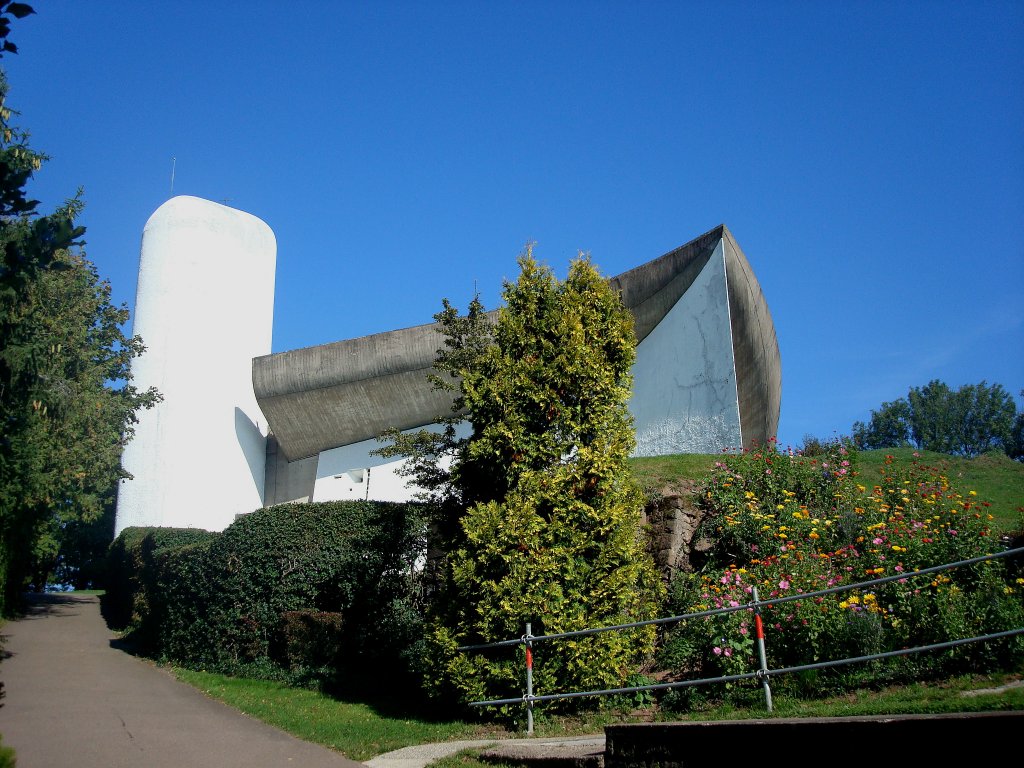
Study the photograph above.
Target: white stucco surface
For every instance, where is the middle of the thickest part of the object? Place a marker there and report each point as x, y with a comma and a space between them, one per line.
204, 309
684, 378
352, 472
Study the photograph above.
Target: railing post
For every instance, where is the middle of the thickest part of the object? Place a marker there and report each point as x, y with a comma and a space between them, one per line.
763, 670
528, 640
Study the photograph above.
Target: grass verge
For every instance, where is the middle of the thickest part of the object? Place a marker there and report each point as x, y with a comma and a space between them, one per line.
357, 730
361, 732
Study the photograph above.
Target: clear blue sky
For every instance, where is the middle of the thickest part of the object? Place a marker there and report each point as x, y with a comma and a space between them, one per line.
867, 156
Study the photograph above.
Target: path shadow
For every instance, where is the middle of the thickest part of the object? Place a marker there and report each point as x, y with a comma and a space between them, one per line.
38, 605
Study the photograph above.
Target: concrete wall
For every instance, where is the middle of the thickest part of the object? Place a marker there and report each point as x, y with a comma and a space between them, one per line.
936, 741
204, 309
684, 380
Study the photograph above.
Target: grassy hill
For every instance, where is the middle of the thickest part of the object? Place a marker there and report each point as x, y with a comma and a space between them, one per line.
996, 479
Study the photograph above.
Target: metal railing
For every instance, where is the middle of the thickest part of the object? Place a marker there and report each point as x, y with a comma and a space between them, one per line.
763, 672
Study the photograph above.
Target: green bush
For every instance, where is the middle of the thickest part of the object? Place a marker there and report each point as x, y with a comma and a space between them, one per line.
309, 639
132, 572
222, 601
788, 524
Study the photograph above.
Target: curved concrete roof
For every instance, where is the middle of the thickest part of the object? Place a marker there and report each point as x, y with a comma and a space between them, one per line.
322, 397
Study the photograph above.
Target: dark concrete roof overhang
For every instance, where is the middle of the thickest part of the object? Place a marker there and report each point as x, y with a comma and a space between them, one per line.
323, 397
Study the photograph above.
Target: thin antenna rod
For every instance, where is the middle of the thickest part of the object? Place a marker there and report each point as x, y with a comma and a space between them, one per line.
174, 161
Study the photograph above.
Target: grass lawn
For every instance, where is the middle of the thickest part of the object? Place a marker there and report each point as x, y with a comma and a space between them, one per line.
996, 478
361, 731
357, 730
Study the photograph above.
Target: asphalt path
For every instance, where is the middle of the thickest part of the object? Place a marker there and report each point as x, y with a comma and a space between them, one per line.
73, 699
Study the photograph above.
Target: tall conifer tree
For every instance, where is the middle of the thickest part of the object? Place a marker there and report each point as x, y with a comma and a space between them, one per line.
550, 527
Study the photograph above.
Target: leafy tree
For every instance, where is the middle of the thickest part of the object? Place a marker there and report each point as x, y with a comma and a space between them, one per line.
1015, 446
66, 400
931, 416
889, 427
436, 459
550, 528
982, 418
18, 11
967, 421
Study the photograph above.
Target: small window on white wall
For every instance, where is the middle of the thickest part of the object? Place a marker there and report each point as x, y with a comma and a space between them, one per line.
352, 475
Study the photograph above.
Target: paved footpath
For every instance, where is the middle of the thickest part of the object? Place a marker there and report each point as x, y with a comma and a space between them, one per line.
75, 701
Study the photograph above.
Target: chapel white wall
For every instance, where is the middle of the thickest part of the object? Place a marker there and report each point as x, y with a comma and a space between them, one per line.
204, 309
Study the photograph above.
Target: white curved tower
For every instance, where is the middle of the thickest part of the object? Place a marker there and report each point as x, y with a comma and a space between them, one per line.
204, 309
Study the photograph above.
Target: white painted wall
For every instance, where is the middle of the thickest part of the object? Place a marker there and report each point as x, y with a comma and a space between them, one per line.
351, 472
204, 309
684, 379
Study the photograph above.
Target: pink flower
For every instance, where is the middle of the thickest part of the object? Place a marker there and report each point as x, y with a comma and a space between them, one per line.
952, 532
877, 540
728, 652
717, 651
783, 584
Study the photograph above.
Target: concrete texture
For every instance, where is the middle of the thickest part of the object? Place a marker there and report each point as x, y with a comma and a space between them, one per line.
684, 378
936, 741
73, 700
583, 752
319, 398
576, 752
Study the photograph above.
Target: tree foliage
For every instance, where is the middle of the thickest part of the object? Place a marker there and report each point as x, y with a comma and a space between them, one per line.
966, 422
548, 523
16, 10
67, 404
1015, 447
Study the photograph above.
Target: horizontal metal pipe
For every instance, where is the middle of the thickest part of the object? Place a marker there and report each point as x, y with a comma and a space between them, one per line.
746, 606
751, 675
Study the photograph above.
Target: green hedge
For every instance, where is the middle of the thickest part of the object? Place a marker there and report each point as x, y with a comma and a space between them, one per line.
228, 601
132, 573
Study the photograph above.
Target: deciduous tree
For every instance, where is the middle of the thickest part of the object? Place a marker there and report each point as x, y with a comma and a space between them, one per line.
67, 404
967, 421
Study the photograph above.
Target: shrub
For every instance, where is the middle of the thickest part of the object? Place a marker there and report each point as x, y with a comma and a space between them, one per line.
132, 572
309, 639
217, 601
788, 524
547, 524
